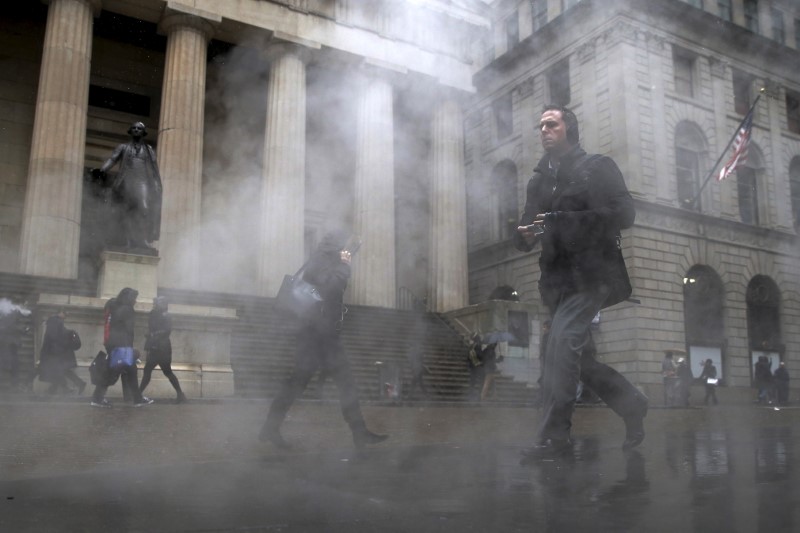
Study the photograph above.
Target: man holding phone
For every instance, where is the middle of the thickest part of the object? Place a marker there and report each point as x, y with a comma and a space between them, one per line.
576, 206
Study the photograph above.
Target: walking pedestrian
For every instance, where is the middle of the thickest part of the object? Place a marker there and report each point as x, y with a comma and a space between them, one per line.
576, 206
319, 345
670, 378
709, 378
475, 365
122, 356
685, 379
57, 356
159, 347
781, 379
416, 361
762, 375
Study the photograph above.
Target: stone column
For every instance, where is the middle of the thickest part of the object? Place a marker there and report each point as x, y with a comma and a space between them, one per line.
374, 279
180, 143
52, 215
448, 252
284, 171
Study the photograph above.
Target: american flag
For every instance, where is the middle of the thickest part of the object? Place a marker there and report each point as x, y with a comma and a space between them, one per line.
740, 145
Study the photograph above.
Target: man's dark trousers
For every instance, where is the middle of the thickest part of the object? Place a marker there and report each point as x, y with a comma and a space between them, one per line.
318, 349
568, 362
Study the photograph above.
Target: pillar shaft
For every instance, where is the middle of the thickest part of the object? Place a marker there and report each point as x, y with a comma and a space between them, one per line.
180, 147
284, 170
52, 216
448, 253
374, 279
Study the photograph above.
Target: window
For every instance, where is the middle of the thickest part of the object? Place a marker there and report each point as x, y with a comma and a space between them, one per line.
751, 15
724, 10
539, 10
794, 185
763, 314
778, 30
703, 297
503, 116
504, 181
558, 83
695, 3
797, 33
742, 90
684, 72
748, 196
512, 30
689, 151
793, 111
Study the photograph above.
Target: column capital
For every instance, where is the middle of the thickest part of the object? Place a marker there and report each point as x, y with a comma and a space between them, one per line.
182, 16
278, 48
95, 5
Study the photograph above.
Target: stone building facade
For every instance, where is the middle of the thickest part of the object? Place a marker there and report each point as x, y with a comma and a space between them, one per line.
661, 90
414, 123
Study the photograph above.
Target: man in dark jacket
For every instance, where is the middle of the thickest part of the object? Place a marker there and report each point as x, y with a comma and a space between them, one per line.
576, 206
319, 345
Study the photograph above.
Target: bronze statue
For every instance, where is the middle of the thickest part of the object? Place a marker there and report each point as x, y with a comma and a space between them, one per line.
136, 190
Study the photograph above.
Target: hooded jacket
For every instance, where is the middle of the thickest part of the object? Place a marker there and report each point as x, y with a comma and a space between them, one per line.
587, 204
122, 321
329, 275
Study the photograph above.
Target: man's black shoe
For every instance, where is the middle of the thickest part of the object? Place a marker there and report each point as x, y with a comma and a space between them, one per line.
548, 449
634, 432
363, 437
274, 436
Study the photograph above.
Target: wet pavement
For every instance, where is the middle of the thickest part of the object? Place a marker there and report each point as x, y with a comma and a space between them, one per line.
199, 467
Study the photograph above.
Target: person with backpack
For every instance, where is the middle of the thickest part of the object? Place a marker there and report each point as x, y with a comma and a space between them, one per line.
119, 346
576, 206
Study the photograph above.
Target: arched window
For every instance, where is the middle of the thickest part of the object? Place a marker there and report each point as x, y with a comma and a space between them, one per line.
794, 184
504, 181
763, 320
747, 178
690, 153
703, 298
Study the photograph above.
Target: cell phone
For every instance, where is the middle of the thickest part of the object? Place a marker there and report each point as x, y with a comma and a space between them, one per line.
537, 229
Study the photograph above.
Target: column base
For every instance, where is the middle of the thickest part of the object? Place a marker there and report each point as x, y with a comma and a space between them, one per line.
127, 269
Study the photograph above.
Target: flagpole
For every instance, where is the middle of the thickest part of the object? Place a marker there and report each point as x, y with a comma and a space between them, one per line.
725, 151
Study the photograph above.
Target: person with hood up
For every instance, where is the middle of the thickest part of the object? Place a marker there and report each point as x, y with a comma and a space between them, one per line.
576, 206
122, 356
159, 347
57, 359
319, 345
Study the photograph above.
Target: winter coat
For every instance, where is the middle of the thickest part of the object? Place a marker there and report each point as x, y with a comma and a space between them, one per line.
122, 321
58, 350
329, 275
158, 344
587, 204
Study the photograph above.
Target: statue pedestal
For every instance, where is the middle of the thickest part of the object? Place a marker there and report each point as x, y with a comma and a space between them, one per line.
120, 269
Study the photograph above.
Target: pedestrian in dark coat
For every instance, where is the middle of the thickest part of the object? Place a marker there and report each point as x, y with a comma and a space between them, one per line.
319, 345
57, 356
159, 347
490, 360
762, 375
475, 365
781, 379
122, 358
709, 373
576, 206
685, 379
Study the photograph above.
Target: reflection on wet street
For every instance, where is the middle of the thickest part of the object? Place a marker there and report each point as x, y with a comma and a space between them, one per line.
698, 471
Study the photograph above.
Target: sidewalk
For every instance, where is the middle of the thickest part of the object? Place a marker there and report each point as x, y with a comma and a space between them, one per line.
200, 467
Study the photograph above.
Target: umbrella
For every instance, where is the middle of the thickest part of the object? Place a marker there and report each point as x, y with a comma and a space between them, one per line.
498, 336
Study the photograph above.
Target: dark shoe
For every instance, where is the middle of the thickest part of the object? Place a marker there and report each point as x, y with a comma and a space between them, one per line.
363, 437
548, 449
181, 398
634, 432
145, 401
102, 403
274, 436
